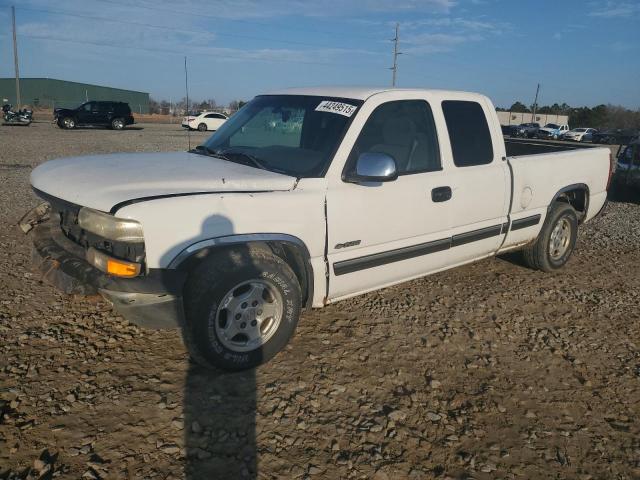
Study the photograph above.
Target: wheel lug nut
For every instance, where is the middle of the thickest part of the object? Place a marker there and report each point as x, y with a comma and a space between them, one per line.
255, 303
244, 305
259, 312
243, 325
238, 316
254, 323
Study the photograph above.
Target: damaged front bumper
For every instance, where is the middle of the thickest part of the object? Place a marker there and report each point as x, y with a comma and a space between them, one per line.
153, 300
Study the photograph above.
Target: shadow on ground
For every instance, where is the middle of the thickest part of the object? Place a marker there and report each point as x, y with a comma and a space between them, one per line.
219, 424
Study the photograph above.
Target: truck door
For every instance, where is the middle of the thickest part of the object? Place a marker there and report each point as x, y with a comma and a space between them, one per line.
479, 180
386, 232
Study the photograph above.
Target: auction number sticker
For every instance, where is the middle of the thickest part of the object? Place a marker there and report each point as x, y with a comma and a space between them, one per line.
336, 107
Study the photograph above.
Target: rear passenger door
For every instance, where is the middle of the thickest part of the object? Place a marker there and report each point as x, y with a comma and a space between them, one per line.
103, 113
479, 180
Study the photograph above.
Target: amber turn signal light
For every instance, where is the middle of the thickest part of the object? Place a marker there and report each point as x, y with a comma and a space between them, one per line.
112, 266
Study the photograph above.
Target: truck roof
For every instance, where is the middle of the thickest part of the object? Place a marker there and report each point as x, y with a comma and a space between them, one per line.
360, 93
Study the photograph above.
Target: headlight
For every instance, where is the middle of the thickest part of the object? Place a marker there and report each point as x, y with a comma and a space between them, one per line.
110, 227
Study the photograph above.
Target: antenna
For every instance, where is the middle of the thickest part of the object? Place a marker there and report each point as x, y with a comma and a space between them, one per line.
186, 88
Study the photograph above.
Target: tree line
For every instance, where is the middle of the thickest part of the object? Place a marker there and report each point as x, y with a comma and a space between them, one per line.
165, 107
600, 116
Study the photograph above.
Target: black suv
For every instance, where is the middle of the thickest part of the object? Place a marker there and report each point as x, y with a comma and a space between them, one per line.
116, 115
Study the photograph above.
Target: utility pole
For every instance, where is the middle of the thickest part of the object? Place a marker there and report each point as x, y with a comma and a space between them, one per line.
535, 104
15, 58
395, 41
186, 89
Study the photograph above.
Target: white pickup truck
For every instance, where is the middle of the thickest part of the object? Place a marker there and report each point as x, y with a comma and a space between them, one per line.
365, 189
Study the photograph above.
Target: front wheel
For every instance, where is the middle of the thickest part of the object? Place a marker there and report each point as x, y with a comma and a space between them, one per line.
241, 308
68, 122
556, 241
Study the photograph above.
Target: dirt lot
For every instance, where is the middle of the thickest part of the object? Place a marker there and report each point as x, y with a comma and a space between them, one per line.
488, 371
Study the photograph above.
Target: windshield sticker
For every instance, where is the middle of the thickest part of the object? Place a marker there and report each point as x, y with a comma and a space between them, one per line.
336, 107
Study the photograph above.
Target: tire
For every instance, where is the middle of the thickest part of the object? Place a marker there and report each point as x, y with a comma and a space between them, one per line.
68, 123
556, 241
246, 280
118, 123
202, 127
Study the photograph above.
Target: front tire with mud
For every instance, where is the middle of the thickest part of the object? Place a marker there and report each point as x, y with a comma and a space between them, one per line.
241, 308
556, 241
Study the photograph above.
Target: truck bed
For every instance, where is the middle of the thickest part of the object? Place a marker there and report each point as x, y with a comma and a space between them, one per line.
516, 147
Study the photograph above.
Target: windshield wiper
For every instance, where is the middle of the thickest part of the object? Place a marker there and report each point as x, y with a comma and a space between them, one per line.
204, 150
253, 160
249, 159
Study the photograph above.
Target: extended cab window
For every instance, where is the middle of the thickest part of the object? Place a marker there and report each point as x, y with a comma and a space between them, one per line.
404, 130
468, 133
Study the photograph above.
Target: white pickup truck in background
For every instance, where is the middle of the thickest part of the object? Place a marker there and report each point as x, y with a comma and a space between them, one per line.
354, 189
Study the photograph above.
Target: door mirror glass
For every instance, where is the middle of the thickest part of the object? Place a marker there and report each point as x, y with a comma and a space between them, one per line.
373, 167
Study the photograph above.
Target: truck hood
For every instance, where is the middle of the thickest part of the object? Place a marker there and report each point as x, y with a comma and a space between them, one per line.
103, 181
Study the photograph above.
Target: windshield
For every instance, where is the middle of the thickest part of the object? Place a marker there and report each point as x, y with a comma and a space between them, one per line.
579, 130
292, 134
552, 125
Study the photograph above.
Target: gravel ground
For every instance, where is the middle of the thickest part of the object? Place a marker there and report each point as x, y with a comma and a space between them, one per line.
487, 371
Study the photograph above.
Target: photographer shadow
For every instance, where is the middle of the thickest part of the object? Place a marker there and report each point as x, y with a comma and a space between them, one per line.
219, 408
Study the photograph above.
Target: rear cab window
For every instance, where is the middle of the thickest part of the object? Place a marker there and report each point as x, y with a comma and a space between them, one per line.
469, 133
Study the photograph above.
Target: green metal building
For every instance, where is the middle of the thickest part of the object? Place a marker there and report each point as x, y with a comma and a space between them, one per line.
52, 93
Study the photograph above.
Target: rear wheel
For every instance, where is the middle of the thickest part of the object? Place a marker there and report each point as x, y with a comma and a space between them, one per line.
202, 127
241, 308
117, 123
556, 241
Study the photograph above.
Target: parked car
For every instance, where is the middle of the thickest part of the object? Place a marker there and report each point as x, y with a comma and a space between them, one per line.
509, 130
615, 136
204, 121
579, 134
528, 130
233, 239
116, 115
552, 130
627, 174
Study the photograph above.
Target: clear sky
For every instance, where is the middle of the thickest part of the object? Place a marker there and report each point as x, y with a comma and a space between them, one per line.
582, 52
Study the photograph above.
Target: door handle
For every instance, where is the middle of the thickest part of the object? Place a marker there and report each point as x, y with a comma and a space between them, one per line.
441, 194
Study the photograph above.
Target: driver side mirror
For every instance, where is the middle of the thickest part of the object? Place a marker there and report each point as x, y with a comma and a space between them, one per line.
373, 167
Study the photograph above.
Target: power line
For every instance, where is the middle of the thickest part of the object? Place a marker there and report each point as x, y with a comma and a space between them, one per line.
175, 52
181, 30
238, 20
